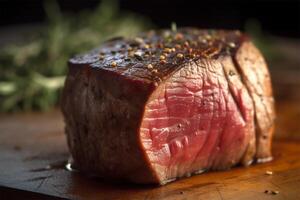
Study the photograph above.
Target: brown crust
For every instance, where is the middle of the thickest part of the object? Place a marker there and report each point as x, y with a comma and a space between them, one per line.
101, 124
164, 50
256, 77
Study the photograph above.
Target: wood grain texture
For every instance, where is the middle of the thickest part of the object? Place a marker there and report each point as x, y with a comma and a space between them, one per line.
33, 154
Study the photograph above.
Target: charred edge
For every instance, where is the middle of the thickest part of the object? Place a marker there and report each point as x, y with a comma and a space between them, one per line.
243, 80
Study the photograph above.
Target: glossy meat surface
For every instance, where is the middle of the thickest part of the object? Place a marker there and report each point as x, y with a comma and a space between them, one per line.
168, 104
165, 51
197, 121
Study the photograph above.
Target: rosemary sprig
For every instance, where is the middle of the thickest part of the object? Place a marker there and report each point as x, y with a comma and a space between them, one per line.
32, 74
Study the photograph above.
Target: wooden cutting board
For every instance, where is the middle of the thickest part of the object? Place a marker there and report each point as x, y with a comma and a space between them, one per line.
33, 154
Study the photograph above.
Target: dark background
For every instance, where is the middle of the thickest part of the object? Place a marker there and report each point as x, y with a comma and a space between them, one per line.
278, 17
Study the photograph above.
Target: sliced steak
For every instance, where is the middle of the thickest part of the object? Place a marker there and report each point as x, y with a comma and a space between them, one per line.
256, 76
168, 104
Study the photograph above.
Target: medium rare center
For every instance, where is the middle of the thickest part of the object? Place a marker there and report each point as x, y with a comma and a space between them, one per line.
194, 121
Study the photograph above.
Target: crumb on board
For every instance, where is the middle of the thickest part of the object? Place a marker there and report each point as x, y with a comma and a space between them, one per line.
269, 172
273, 192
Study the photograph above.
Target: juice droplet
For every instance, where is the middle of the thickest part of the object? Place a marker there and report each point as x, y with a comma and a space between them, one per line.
70, 166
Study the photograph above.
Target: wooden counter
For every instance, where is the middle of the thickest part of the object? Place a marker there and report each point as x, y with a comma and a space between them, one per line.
33, 154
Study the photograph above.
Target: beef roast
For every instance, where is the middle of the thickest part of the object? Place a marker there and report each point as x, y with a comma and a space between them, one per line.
168, 104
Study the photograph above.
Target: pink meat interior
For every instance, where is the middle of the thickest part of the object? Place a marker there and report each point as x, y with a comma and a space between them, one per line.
195, 121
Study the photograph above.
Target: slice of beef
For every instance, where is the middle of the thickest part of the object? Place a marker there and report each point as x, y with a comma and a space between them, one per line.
168, 104
256, 76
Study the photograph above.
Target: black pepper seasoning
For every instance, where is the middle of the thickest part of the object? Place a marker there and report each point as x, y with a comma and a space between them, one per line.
231, 73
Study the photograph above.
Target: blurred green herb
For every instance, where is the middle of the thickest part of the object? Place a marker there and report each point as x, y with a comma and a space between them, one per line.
32, 74
174, 26
261, 39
